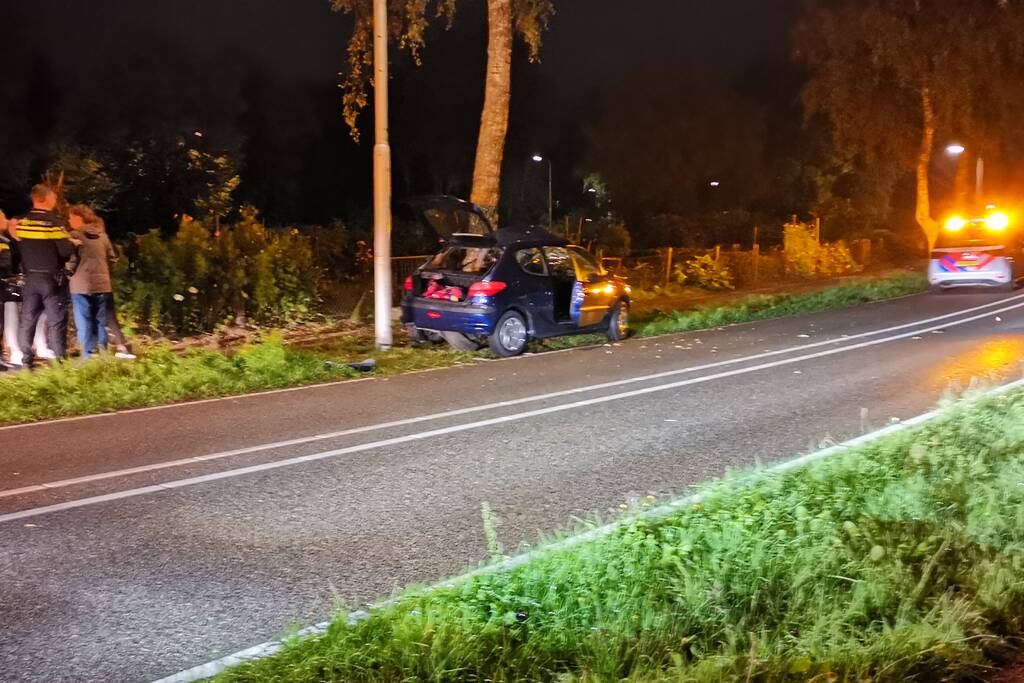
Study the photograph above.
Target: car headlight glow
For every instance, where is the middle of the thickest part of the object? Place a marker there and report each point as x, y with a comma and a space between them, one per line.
997, 221
955, 223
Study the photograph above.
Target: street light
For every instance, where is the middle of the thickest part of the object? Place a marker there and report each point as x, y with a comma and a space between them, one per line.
537, 158
714, 183
955, 150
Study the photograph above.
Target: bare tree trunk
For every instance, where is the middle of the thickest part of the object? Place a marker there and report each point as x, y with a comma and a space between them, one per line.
490, 147
923, 212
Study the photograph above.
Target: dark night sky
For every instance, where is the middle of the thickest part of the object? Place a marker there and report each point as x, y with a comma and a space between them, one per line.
589, 42
120, 61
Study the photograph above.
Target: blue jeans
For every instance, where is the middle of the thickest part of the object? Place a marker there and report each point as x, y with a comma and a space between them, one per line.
90, 321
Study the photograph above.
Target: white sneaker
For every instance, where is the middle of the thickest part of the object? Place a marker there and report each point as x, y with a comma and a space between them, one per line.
48, 354
124, 355
16, 358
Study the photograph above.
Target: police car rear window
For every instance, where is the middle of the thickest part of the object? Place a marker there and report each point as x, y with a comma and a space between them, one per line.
969, 236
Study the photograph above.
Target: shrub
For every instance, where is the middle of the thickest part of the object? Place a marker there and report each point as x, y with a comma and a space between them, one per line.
806, 257
835, 259
614, 240
704, 272
202, 278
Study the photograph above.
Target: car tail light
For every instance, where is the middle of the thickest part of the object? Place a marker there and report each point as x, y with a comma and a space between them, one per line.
486, 288
408, 284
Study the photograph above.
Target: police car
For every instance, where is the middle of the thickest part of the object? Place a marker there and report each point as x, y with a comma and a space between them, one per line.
984, 251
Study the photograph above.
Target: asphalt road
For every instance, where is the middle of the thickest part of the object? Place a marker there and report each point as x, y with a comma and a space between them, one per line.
139, 544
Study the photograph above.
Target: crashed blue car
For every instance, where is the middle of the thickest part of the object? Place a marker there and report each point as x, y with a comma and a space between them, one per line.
504, 288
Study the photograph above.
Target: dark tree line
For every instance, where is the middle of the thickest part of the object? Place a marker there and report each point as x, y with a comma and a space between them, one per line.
843, 130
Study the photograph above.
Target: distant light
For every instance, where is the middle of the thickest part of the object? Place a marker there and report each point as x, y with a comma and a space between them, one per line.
955, 150
588, 220
592, 190
714, 183
198, 133
989, 207
538, 158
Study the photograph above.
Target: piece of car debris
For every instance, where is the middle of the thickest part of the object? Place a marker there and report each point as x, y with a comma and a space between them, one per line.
367, 365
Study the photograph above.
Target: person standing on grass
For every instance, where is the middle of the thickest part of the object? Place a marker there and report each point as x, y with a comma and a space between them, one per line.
47, 258
91, 288
8, 268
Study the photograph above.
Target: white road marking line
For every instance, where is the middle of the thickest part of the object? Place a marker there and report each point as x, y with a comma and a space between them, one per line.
308, 387
153, 467
454, 429
268, 649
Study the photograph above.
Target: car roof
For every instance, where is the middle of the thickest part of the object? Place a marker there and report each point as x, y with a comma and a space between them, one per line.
512, 237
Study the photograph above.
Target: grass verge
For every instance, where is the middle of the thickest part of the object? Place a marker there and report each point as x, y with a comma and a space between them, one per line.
761, 307
161, 377
899, 561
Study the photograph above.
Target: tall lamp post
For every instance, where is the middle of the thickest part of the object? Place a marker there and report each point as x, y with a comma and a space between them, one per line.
381, 181
551, 212
957, 150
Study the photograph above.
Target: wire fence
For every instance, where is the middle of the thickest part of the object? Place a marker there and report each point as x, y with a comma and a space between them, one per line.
644, 268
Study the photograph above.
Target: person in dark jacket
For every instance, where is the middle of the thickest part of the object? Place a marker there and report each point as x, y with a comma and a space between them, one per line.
46, 250
90, 285
9, 293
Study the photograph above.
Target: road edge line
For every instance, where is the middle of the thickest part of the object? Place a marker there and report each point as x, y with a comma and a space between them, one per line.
267, 649
257, 394
269, 446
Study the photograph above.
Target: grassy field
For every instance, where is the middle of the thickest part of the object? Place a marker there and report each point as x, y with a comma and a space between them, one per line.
161, 376
902, 560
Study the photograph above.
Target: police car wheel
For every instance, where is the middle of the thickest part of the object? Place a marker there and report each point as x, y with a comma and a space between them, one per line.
510, 335
936, 289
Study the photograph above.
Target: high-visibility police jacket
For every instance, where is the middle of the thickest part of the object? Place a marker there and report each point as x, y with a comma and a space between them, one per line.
8, 258
43, 242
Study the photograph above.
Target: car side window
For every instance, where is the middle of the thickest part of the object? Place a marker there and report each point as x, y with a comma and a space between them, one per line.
586, 265
560, 263
532, 261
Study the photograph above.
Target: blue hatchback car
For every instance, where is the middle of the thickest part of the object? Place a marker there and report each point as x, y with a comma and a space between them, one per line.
503, 288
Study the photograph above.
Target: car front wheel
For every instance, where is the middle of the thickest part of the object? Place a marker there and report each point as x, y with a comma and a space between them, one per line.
510, 335
618, 325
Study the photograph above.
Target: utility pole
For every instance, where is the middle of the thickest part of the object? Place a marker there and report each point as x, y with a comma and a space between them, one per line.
979, 180
538, 158
551, 203
381, 181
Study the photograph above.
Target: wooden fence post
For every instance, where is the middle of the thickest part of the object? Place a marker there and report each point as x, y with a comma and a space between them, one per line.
718, 252
668, 265
755, 258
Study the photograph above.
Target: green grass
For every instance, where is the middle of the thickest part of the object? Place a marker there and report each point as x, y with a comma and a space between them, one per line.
161, 377
899, 561
761, 307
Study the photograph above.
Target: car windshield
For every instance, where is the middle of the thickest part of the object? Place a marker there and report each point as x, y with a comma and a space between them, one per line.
971, 235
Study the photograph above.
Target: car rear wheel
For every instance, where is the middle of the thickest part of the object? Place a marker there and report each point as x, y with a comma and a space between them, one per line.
936, 289
460, 342
420, 337
618, 324
510, 335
